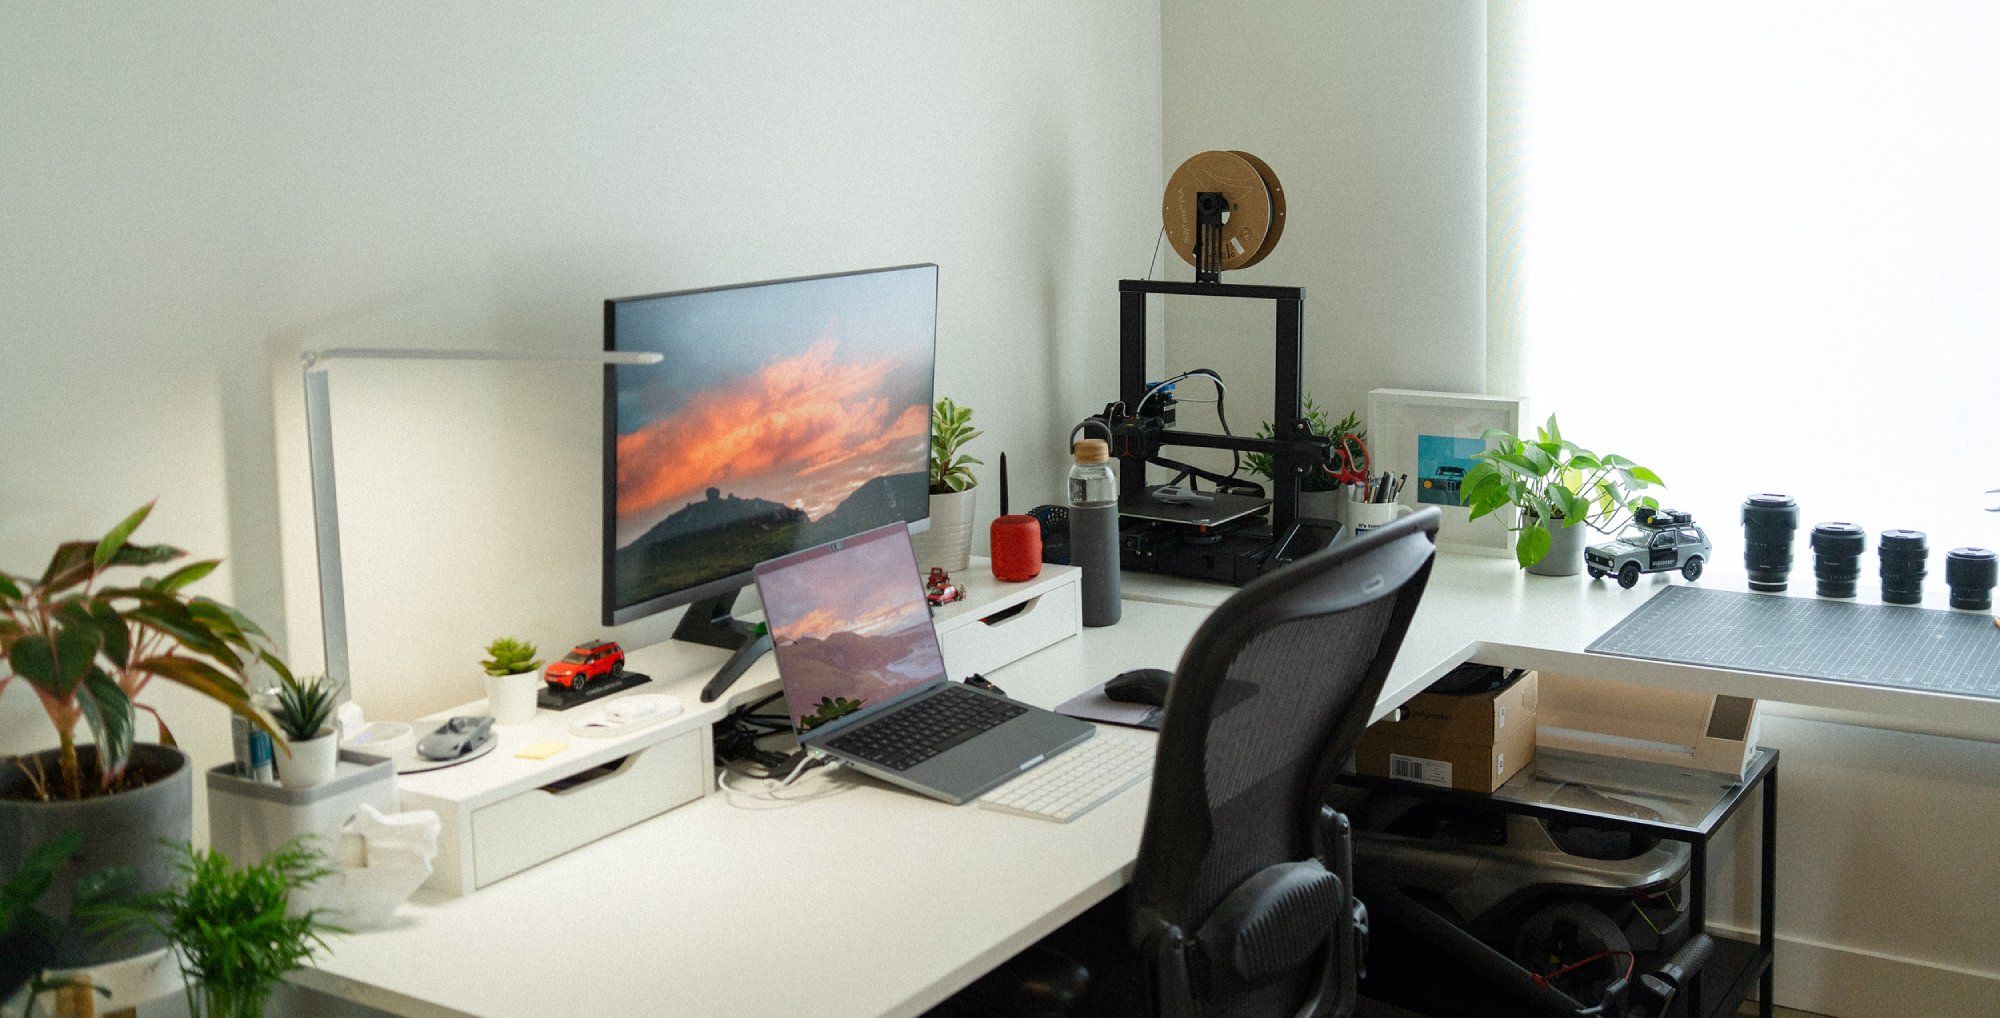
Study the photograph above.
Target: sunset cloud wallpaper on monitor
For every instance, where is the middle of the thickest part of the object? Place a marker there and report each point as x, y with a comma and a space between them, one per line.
851, 627
783, 415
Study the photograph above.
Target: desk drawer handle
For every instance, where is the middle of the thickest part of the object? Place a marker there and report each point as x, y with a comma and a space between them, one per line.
1011, 612
589, 778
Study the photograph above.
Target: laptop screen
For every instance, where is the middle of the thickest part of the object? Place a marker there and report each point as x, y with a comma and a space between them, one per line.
850, 625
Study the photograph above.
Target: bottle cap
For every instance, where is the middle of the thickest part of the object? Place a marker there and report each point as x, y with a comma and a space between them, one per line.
1093, 450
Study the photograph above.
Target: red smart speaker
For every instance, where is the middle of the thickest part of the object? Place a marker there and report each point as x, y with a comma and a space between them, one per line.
1016, 540
1017, 548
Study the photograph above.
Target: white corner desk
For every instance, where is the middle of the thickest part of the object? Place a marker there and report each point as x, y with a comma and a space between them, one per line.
873, 901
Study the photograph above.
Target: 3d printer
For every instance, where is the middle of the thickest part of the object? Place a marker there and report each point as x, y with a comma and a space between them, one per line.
1222, 210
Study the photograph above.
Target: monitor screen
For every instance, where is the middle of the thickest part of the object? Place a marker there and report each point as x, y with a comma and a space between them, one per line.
783, 415
850, 626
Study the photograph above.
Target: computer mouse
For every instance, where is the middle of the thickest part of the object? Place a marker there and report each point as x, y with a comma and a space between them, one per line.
456, 738
1140, 685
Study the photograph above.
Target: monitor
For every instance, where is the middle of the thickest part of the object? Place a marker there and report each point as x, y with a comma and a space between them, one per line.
783, 415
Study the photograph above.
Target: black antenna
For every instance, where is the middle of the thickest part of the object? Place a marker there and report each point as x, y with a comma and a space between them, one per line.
1003, 484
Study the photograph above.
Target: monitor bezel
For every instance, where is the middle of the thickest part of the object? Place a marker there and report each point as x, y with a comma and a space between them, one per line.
617, 616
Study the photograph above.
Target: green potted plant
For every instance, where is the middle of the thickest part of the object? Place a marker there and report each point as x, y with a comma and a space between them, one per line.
1319, 493
233, 929
1563, 491
305, 713
513, 677
954, 490
88, 639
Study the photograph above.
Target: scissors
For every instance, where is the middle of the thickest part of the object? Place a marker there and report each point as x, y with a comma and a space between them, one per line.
1346, 470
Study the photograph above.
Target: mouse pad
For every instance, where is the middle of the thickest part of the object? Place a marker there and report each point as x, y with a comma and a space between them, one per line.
1093, 705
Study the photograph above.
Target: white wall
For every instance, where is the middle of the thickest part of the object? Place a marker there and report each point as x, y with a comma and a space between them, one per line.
1372, 115
196, 193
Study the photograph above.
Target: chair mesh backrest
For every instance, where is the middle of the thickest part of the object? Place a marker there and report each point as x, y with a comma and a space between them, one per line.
1265, 706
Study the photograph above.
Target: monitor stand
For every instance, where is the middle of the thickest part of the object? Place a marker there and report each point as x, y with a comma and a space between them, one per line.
709, 623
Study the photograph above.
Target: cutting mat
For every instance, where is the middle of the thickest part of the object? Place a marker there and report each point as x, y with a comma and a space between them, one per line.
1870, 644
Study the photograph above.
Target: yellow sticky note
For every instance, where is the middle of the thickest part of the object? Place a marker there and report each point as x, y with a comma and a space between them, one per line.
542, 750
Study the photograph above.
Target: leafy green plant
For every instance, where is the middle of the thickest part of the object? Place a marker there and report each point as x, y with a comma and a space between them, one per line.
1552, 478
88, 648
232, 929
305, 706
951, 429
829, 708
508, 656
27, 935
1346, 432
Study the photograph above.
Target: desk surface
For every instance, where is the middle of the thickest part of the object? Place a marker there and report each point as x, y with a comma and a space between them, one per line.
875, 901
1487, 609
868, 901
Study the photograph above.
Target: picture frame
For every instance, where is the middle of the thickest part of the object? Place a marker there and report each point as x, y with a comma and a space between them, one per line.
1431, 437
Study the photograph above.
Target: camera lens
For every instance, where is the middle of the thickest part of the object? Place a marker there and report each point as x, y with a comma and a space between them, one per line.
1837, 551
1969, 572
1769, 522
1903, 556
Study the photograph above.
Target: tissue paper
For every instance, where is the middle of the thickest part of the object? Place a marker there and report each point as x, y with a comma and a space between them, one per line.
385, 857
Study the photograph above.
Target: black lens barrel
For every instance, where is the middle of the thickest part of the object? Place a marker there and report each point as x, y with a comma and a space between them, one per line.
1970, 573
1769, 522
1837, 549
1904, 555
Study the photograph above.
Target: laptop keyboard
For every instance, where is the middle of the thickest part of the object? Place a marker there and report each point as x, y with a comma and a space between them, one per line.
914, 733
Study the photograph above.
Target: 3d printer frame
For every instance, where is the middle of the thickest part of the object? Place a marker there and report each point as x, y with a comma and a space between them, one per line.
1139, 433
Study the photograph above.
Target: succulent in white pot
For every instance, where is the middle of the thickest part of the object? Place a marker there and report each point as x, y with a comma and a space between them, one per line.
513, 677
305, 713
954, 491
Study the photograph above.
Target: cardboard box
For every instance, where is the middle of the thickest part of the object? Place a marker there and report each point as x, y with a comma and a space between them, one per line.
1473, 742
1480, 719
1387, 753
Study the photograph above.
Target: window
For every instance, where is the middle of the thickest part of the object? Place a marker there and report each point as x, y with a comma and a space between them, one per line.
1801, 201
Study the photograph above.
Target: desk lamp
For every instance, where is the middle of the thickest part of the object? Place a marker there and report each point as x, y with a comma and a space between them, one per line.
319, 453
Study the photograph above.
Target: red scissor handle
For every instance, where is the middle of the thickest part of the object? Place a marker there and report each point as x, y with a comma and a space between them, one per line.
1344, 468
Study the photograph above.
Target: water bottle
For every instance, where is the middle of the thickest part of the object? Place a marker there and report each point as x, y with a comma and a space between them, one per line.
1093, 530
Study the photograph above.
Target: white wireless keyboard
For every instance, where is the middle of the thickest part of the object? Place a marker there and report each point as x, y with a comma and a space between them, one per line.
1075, 781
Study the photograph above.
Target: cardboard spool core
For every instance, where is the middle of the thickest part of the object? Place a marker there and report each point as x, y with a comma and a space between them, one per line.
1256, 206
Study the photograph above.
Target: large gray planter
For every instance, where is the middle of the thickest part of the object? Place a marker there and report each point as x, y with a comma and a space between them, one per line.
1565, 557
125, 829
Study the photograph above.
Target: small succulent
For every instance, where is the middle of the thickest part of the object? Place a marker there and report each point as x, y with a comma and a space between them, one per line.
305, 706
508, 656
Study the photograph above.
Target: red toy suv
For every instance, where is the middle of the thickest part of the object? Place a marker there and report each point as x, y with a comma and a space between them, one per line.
594, 660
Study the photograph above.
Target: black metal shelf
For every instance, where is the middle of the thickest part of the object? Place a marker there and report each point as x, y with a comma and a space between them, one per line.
1736, 965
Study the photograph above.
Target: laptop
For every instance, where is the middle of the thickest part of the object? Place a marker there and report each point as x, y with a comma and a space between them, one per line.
865, 681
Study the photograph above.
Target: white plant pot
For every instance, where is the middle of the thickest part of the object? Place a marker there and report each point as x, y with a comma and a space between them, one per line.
511, 698
312, 761
948, 543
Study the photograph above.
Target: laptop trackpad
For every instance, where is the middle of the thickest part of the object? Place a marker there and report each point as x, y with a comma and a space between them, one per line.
982, 763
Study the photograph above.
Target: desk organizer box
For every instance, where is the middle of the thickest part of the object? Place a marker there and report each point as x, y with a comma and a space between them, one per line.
502, 814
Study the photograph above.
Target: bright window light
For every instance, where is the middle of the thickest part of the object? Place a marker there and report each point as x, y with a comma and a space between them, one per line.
1759, 250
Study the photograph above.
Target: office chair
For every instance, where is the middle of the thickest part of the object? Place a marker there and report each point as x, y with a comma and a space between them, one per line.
1242, 902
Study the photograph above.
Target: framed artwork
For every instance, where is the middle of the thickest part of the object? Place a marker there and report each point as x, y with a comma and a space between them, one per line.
1431, 437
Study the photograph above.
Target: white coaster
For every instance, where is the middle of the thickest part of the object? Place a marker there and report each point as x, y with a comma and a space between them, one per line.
625, 714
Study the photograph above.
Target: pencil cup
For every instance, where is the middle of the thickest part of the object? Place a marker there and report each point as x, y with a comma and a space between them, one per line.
1362, 517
